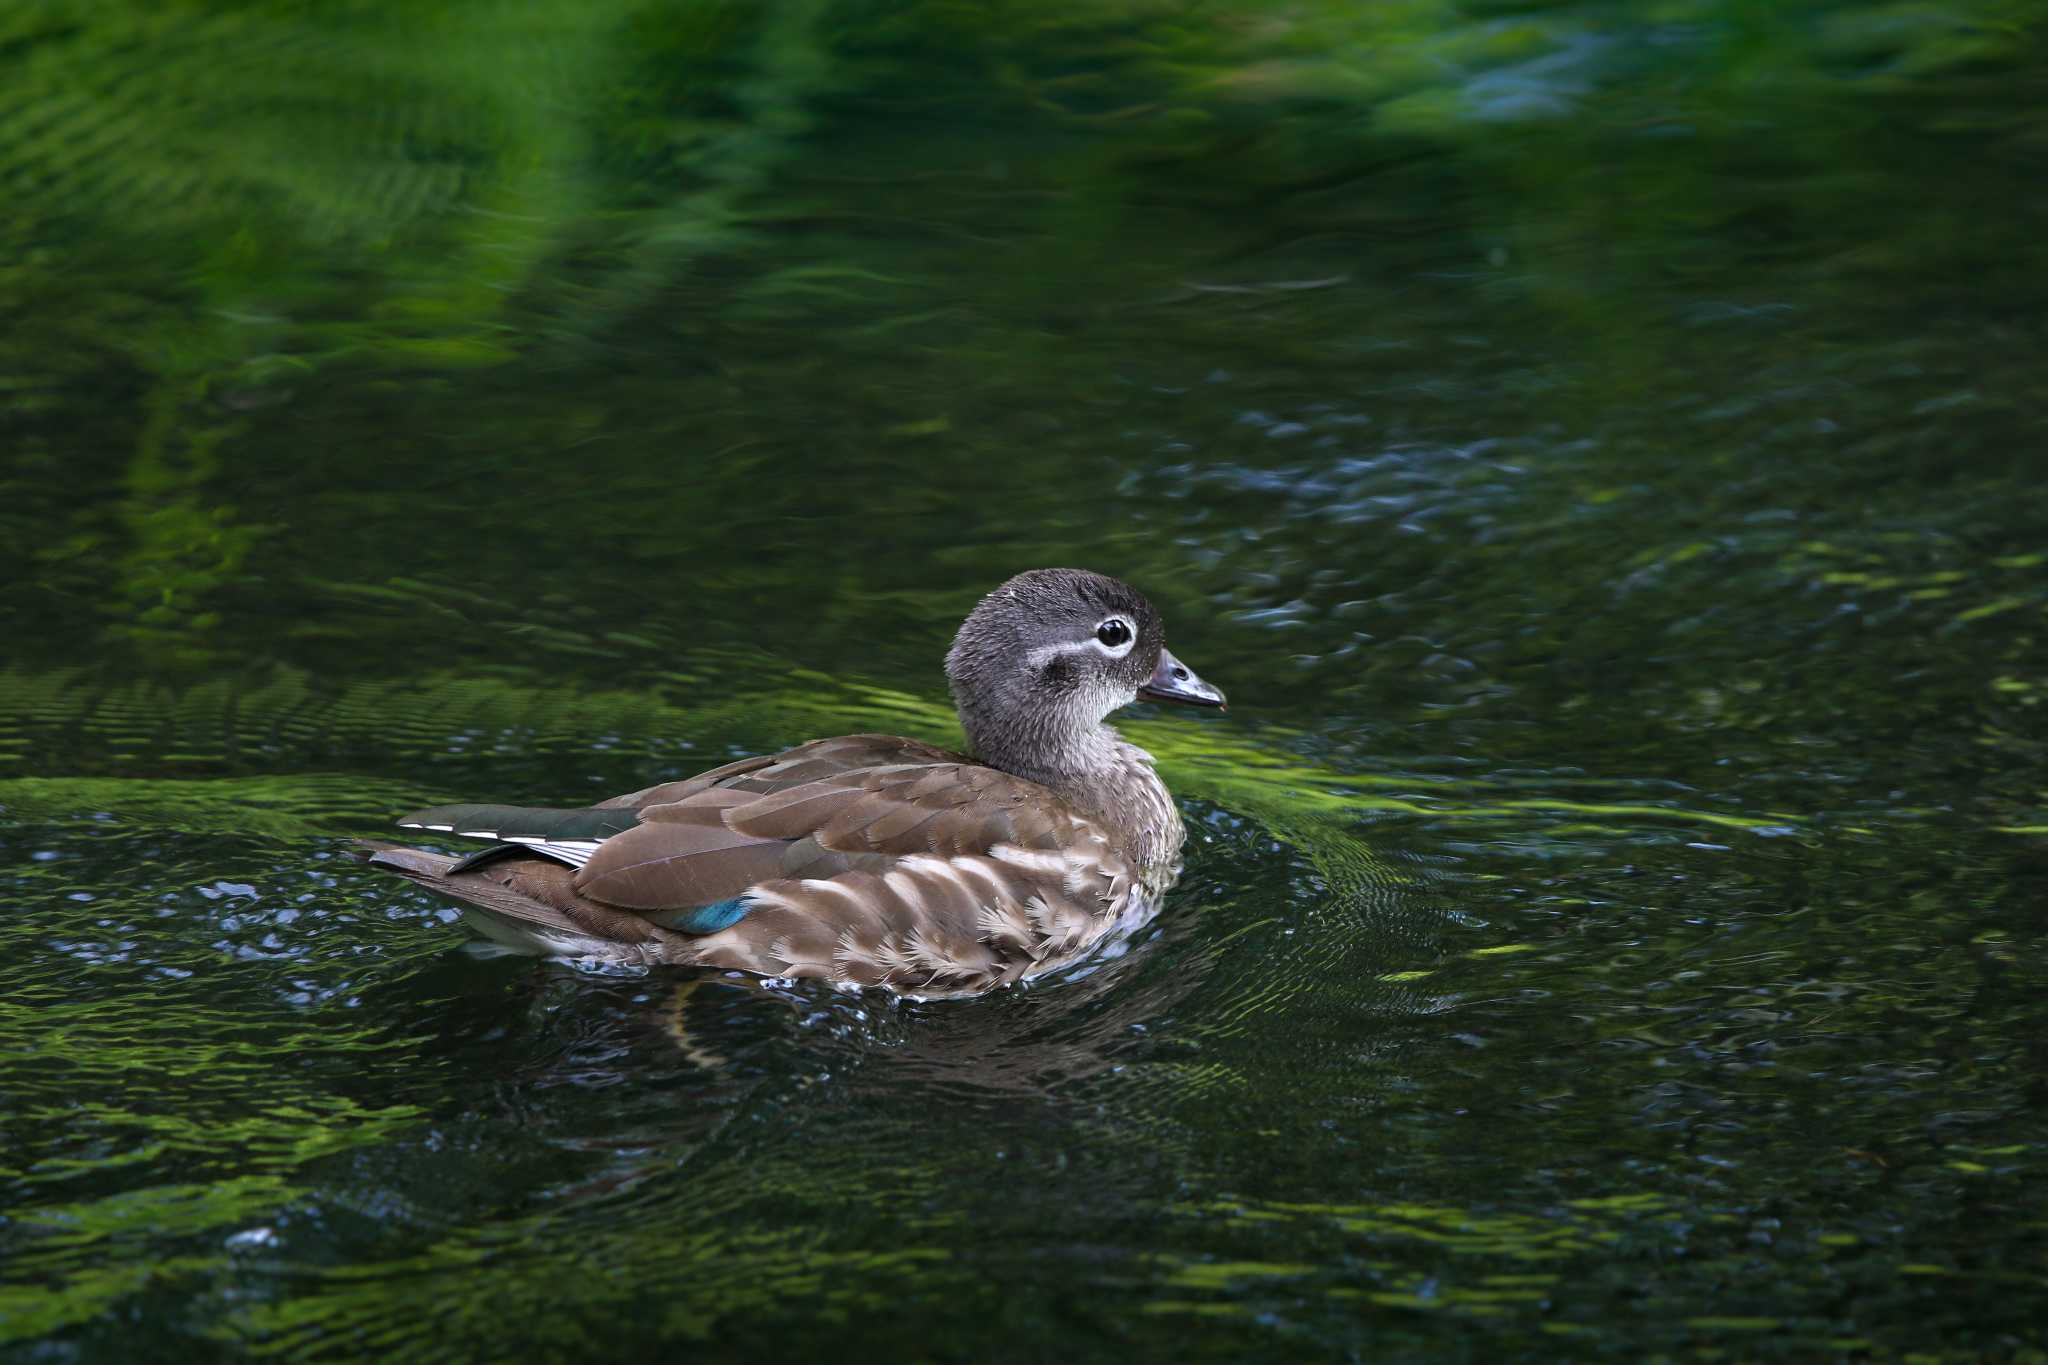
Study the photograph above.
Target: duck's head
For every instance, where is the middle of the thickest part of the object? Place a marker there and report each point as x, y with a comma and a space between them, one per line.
1044, 658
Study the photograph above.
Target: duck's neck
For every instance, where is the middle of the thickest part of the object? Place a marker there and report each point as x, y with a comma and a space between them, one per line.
1093, 769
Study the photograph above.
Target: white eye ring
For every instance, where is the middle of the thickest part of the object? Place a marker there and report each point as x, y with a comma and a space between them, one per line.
1115, 636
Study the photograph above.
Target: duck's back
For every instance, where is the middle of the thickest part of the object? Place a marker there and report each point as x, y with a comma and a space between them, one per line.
864, 860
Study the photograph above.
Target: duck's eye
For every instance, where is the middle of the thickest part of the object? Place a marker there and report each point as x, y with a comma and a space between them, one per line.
1113, 632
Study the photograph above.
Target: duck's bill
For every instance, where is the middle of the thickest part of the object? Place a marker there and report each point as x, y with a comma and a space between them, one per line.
1174, 681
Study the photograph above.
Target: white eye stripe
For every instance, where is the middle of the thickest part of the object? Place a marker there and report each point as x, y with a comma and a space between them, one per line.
1045, 654
1038, 658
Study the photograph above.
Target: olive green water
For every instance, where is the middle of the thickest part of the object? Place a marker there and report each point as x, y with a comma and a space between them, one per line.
1598, 447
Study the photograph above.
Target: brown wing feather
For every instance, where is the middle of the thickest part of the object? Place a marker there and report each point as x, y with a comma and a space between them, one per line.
794, 813
903, 809
804, 858
771, 772
664, 792
898, 826
670, 866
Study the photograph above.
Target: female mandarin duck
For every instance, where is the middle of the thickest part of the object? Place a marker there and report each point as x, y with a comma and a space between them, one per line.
871, 860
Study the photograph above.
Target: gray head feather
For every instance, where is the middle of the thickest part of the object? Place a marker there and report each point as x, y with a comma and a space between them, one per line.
1033, 679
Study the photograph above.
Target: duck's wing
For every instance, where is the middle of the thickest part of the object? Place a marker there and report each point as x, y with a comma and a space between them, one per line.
572, 834
912, 868
867, 860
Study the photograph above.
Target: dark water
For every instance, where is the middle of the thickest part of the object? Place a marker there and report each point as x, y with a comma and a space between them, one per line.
1599, 448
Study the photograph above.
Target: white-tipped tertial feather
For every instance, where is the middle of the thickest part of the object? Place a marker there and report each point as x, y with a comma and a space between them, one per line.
574, 852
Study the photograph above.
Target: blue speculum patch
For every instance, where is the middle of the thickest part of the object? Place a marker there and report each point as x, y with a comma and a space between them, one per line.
709, 919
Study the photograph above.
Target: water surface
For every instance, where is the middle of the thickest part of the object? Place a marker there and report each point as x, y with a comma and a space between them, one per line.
1598, 450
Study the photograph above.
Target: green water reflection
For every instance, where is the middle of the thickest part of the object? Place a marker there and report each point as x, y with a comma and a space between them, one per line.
1598, 447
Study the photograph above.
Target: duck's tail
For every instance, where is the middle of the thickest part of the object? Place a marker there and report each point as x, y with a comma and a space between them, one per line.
526, 904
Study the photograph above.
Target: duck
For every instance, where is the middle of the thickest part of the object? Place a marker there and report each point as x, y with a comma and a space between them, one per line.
870, 860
